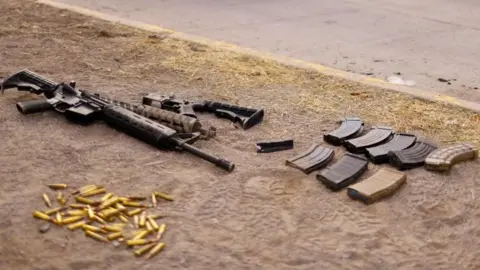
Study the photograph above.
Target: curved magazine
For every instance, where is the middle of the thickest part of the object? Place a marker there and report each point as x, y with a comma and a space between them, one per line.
376, 136
350, 128
343, 173
315, 158
378, 154
444, 158
411, 157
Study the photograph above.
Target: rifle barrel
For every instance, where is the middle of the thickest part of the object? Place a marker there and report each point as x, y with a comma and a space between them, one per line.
222, 163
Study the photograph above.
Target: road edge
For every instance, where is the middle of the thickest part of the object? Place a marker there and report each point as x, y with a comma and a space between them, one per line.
292, 62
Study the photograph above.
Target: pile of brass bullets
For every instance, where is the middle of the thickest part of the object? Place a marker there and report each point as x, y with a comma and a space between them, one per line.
107, 217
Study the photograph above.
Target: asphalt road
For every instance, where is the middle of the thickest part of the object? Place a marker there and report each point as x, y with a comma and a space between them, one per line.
423, 40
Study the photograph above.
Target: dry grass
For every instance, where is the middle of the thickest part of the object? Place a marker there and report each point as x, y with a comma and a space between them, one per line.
134, 54
223, 72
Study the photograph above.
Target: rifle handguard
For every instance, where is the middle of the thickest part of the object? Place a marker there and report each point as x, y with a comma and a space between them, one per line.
181, 123
137, 126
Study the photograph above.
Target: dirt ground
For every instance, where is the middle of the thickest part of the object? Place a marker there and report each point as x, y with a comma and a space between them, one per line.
264, 215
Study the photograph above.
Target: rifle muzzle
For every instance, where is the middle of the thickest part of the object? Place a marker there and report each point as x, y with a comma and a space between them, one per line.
33, 106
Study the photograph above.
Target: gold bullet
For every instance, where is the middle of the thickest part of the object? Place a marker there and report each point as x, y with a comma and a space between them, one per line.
54, 210
99, 219
133, 204
41, 215
83, 189
61, 200
153, 223
135, 220
121, 225
90, 212
155, 250
57, 186
77, 213
111, 228
123, 218
72, 219
134, 212
161, 231
157, 216
108, 203
120, 207
142, 250
88, 189
47, 200
149, 226
123, 199
114, 235
111, 212
163, 196
93, 192
141, 235
101, 214
134, 233
96, 236
107, 214
76, 225
77, 206
143, 219
84, 200
138, 242
154, 200
106, 197
87, 227
58, 217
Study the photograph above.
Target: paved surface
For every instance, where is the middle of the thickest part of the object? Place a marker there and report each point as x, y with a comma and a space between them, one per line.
423, 40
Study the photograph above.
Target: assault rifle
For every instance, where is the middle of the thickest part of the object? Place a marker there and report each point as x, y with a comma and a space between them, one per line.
83, 107
240, 116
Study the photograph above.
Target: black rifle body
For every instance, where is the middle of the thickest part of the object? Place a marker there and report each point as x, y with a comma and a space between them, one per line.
82, 107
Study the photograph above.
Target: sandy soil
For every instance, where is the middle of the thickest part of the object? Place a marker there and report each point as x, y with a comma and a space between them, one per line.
264, 215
